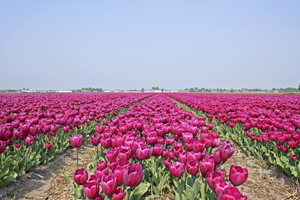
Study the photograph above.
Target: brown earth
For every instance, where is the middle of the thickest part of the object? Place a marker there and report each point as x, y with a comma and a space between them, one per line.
48, 181
266, 184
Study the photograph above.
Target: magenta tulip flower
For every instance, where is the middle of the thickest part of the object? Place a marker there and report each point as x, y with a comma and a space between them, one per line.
237, 175
118, 173
167, 163
101, 172
170, 141
231, 193
91, 189
143, 152
217, 157
108, 185
94, 178
206, 166
192, 167
2, 147
95, 139
177, 169
105, 142
76, 140
152, 139
198, 146
119, 194
102, 164
293, 157
193, 156
157, 149
133, 175
29, 140
124, 154
99, 197
48, 145
100, 128
80, 176
226, 152
213, 178
220, 187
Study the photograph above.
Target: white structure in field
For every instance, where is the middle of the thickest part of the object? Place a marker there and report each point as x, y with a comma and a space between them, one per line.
64, 91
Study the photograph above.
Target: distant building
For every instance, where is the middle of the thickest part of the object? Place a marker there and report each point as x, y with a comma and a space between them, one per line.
64, 91
150, 90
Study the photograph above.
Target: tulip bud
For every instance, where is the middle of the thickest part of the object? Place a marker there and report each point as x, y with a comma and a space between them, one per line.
91, 189
76, 140
109, 185
237, 175
80, 176
177, 169
133, 175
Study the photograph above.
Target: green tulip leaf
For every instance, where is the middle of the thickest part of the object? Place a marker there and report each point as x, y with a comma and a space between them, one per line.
139, 191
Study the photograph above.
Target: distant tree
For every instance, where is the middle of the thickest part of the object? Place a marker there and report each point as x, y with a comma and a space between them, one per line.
299, 88
231, 90
142, 90
162, 89
191, 90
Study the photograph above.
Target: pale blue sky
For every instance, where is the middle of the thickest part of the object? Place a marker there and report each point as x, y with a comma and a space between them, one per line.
140, 44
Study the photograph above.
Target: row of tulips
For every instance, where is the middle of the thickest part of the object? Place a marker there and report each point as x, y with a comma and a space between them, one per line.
35, 127
275, 117
157, 147
279, 151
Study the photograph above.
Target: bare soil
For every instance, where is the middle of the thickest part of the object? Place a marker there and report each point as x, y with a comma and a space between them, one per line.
262, 183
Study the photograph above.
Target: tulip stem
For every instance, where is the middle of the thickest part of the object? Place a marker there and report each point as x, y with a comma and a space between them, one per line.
214, 195
77, 157
179, 187
25, 157
192, 180
297, 177
97, 151
205, 185
129, 193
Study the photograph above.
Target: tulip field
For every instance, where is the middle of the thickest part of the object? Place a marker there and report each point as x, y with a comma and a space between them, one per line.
148, 145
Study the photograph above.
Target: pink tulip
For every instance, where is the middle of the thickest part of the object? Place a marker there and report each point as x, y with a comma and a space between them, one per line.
91, 189
133, 175
80, 176
119, 194
76, 140
237, 175
143, 152
231, 193
177, 169
213, 178
108, 185
192, 167
220, 186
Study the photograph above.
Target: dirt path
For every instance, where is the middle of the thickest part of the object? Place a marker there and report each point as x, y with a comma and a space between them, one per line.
48, 180
263, 184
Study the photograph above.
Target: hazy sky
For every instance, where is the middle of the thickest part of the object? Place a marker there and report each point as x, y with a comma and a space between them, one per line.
139, 44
